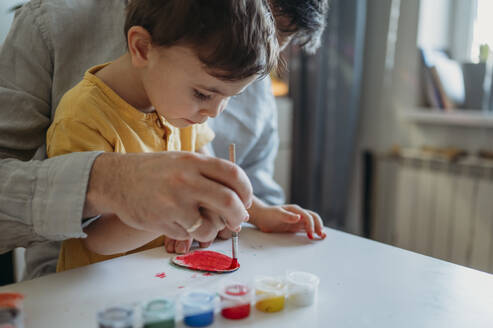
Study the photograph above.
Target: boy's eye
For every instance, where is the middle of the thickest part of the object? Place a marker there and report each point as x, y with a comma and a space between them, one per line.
200, 96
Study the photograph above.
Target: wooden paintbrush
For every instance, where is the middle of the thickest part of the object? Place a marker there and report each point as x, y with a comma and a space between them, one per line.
234, 240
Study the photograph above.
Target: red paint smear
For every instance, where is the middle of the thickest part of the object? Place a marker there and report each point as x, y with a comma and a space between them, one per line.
207, 274
208, 261
181, 286
234, 264
160, 275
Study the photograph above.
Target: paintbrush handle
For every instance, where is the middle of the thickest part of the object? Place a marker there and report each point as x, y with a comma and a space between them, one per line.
234, 241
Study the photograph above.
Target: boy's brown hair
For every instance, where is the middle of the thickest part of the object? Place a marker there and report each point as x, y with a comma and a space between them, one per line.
234, 39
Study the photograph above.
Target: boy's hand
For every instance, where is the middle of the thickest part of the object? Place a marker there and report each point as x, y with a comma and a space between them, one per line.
183, 246
286, 218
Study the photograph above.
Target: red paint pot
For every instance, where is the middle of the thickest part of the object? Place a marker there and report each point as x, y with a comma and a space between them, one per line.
236, 301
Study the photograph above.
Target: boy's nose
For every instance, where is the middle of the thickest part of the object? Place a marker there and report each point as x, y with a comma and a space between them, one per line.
214, 110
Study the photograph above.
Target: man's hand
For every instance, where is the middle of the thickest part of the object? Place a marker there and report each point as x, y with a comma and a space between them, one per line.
167, 192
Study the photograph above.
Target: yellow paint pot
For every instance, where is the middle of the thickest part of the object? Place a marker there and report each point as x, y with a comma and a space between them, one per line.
269, 294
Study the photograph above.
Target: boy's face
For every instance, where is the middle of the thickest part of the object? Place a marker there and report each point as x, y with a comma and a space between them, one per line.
179, 88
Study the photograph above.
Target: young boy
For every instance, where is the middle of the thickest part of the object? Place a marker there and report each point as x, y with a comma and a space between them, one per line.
184, 60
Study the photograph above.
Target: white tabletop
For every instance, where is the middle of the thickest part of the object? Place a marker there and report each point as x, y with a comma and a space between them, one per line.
362, 284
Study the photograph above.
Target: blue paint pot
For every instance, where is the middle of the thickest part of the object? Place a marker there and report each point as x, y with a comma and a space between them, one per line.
198, 308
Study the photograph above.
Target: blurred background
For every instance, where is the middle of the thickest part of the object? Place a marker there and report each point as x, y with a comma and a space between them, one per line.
387, 131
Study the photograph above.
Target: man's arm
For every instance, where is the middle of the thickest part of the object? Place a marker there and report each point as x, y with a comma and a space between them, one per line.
42, 200
39, 200
250, 122
259, 162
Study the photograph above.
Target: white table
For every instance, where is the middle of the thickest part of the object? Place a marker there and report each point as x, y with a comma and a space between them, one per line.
363, 284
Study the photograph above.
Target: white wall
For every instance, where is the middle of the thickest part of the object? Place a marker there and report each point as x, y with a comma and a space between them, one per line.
6, 17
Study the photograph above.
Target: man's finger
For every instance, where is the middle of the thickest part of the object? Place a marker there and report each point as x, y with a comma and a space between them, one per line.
222, 201
224, 234
229, 175
206, 232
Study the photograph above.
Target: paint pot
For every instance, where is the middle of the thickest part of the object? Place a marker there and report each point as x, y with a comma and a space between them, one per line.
198, 308
159, 313
11, 315
302, 288
235, 301
116, 317
269, 294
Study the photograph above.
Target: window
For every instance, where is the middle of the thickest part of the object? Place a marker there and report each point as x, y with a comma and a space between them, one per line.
482, 28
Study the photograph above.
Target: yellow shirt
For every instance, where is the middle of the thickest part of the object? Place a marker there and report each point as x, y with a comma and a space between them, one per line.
91, 116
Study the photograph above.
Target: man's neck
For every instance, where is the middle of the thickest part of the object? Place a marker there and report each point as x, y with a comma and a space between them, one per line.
125, 81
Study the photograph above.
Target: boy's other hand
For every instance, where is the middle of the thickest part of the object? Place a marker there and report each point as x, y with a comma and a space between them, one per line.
286, 218
168, 192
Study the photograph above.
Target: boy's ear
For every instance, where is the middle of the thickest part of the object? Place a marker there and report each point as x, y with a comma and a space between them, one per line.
139, 45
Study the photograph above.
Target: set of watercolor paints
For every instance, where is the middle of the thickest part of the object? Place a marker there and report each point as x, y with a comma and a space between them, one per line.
234, 301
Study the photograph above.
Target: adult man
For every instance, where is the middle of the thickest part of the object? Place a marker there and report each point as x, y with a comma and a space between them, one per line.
50, 45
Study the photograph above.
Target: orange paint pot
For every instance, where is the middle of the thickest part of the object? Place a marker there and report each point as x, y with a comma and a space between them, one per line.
11, 310
11, 300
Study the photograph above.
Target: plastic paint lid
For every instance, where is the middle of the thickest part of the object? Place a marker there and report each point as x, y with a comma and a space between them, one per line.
116, 317
302, 288
199, 301
236, 290
269, 285
159, 309
10, 300
235, 294
198, 308
303, 279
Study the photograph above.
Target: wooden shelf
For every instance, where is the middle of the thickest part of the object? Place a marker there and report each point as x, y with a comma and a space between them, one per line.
464, 117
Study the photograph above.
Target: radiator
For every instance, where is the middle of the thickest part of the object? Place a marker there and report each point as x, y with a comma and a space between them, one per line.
435, 207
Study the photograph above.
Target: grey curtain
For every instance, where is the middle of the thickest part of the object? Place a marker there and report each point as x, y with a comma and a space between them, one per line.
326, 91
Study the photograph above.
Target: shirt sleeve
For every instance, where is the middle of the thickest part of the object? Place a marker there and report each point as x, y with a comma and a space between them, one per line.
39, 200
43, 200
258, 163
250, 122
204, 135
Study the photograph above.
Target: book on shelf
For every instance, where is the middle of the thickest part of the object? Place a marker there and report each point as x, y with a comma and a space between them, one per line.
444, 85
